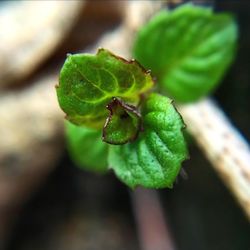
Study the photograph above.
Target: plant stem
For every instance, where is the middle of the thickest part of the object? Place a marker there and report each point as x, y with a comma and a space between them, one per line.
152, 227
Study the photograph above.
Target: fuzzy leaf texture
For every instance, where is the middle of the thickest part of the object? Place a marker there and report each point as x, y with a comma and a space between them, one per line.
188, 50
154, 159
88, 82
86, 147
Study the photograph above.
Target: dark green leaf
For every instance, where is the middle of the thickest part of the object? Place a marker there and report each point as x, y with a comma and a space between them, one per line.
88, 82
86, 147
155, 158
187, 49
123, 123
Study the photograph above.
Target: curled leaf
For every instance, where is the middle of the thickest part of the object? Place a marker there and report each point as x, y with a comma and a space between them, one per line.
88, 82
123, 123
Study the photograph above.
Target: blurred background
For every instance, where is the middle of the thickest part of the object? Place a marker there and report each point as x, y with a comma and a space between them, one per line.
48, 203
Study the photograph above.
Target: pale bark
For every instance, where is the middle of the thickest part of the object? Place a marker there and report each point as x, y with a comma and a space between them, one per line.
223, 145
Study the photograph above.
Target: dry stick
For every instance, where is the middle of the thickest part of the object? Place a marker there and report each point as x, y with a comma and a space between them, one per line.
151, 224
224, 147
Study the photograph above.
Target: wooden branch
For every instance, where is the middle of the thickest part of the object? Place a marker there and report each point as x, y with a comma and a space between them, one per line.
222, 144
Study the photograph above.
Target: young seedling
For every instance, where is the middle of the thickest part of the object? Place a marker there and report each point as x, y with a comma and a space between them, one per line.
121, 123
119, 119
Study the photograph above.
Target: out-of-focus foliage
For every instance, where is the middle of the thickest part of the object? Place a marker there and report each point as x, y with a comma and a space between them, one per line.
188, 50
86, 147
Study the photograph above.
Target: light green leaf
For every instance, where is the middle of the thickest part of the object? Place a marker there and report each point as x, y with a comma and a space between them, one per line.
123, 123
188, 50
155, 158
86, 147
88, 82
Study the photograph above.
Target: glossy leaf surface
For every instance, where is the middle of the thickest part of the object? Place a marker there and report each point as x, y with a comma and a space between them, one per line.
155, 158
187, 49
88, 82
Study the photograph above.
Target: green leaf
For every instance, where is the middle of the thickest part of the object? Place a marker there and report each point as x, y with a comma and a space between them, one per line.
88, 82
123, 123
187, 49
155, 158
86, 147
